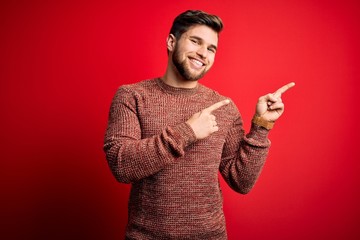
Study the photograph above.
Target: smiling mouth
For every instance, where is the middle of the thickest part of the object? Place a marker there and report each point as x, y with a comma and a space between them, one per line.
197, 63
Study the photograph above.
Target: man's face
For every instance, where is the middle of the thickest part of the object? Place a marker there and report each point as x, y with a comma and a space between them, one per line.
194, 53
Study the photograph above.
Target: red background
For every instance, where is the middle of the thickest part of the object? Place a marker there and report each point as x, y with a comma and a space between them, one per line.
62, 62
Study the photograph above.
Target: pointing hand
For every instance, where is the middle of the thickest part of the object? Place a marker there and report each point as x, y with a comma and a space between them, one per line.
270, 107
204, 123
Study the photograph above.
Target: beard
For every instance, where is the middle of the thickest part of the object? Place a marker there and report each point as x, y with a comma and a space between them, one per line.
184, 69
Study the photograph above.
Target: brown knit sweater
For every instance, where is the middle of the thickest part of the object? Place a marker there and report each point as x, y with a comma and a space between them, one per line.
175, 190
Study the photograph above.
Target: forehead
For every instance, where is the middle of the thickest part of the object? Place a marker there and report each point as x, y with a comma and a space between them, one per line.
203, 32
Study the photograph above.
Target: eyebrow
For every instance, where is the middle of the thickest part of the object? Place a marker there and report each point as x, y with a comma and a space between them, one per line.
202, 40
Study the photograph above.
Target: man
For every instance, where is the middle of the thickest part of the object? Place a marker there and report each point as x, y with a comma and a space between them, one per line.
170, 136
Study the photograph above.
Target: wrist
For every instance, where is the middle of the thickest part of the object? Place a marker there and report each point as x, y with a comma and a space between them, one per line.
262, 122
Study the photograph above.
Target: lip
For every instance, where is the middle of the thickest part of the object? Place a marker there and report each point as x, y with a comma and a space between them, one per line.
197, 59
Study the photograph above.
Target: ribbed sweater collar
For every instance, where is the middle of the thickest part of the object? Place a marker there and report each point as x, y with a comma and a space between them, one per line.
175, 90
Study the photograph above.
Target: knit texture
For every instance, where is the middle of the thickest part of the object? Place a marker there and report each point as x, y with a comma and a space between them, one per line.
175, 191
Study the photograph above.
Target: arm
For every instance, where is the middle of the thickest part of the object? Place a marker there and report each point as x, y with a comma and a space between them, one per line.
131, 158
244, 156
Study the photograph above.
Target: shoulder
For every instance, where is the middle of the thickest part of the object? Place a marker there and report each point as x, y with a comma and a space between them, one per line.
134, 92
138, 87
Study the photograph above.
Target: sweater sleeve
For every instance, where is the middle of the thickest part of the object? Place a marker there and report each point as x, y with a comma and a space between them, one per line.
244, 156
132, 158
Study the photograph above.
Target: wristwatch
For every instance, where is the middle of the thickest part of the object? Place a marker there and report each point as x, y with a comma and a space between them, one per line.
258, 120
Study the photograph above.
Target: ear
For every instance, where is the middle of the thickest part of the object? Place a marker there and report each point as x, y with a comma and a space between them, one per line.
170, 42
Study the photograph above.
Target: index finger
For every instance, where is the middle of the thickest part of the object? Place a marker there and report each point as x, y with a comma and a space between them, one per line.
283, 89
217, 105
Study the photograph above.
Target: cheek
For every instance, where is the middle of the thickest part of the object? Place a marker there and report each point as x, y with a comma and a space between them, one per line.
211, 61
182, 51
191, 48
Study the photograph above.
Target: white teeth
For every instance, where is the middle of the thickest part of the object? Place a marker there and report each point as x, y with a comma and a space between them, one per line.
197, 62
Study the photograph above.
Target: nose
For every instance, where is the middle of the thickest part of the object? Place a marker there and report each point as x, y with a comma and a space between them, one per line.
202, 51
